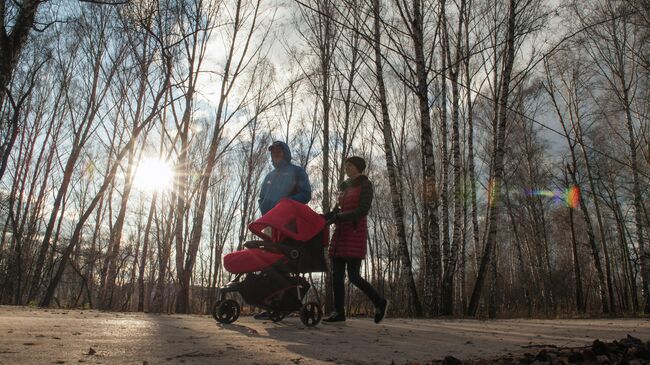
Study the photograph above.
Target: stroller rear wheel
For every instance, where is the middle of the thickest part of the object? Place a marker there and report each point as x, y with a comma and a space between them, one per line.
311, 314
226, 311
215, 308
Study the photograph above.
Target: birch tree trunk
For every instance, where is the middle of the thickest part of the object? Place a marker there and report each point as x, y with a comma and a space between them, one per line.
498, 156
458, 196
407, 271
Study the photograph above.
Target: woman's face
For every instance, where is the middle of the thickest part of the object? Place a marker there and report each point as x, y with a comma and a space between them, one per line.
351, 170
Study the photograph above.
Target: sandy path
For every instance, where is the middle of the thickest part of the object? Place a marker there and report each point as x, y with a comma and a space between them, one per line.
37, 336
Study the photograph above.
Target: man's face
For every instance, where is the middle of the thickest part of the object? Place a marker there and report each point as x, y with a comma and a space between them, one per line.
277, 154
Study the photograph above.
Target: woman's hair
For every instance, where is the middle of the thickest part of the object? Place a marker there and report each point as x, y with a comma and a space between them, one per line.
358, 162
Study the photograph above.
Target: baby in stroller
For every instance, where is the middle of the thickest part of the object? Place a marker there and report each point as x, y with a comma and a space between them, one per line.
273, 269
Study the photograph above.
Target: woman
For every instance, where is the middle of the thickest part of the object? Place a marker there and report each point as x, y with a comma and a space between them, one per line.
348, 244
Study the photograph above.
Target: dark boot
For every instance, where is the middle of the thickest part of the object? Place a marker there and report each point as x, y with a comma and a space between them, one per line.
380, 311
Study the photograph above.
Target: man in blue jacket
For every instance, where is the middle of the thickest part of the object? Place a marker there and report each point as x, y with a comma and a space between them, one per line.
285, 181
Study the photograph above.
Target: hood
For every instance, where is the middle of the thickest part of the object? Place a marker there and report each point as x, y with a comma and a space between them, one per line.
285, 148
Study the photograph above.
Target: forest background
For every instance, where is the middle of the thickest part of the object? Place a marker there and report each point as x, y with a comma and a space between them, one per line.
508, 143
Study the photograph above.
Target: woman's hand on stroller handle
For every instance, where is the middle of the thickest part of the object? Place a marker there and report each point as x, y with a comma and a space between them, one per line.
331, 216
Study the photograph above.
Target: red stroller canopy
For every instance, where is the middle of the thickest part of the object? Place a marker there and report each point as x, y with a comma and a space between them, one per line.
288, 219
291, 219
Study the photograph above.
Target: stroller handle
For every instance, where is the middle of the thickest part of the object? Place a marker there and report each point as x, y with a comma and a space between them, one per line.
274, 247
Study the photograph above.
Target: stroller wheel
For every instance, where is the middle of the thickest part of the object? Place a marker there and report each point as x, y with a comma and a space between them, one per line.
277, 316
226, 311
311, 314
215, 309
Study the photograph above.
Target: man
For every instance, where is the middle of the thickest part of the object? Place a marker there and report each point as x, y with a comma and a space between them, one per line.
285, 181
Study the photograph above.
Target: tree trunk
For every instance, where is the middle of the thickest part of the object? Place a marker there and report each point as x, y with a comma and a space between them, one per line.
638, 200
458, 196
407, 272
145, 253
521, 267
470, 141
497, 162
431, 247
444, 153
580, 301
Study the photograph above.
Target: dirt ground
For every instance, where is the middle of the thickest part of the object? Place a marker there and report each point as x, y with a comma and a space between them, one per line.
41, 336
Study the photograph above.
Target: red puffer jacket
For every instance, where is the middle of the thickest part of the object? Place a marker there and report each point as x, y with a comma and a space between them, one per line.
351, 231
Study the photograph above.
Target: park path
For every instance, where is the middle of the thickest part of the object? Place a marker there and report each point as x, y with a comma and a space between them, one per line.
55, 336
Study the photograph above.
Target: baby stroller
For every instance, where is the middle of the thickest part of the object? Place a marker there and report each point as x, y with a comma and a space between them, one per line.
274, 268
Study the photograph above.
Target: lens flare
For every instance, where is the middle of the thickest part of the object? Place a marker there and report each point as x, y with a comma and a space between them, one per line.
570, 196
573, 197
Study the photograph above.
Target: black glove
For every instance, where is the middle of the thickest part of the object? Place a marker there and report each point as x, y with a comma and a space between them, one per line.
329, 215
333, 219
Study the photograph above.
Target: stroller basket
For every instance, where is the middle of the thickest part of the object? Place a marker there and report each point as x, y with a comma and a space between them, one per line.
270, 291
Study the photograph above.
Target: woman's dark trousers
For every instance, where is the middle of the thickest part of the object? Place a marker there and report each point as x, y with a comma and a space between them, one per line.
354, 275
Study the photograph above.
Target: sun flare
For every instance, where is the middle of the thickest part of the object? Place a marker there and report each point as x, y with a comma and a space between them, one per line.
154, 174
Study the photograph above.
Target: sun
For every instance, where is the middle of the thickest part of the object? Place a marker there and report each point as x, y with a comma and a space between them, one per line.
153, 174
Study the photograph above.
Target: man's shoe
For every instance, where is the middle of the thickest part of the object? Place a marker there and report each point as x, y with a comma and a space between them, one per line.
264, 316
380, 312
334, 317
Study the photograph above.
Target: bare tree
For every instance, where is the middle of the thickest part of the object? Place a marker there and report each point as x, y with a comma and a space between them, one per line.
614, 47
385, 125
514, 8
164, 64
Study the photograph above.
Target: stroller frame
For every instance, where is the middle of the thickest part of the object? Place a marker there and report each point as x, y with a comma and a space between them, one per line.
280, 288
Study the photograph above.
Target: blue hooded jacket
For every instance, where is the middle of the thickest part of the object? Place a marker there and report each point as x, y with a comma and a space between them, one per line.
285, 181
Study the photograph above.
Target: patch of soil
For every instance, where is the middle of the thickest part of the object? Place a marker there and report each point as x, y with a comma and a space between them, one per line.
630, 350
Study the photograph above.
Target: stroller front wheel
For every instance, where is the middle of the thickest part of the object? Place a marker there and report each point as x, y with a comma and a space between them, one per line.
311, 314
226, 311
